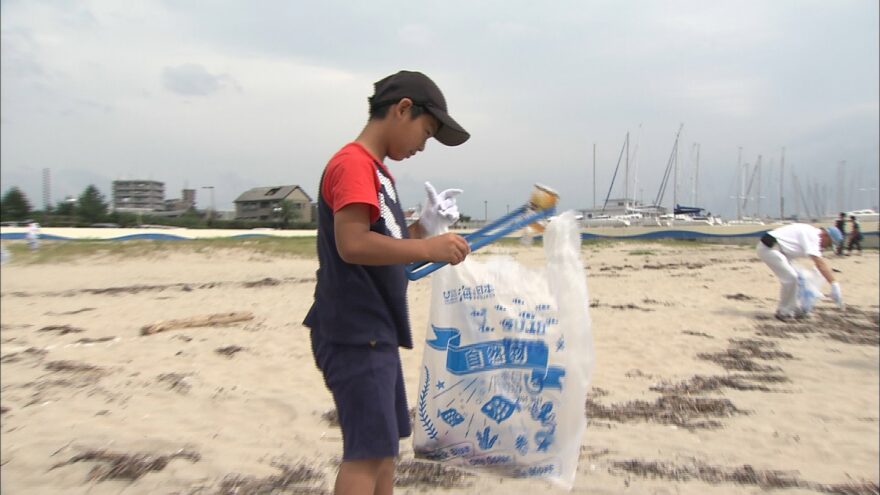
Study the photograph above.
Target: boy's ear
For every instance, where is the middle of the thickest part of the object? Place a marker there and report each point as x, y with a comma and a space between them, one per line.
404, 106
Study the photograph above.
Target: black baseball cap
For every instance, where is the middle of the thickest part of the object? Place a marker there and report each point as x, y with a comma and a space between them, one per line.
423, 92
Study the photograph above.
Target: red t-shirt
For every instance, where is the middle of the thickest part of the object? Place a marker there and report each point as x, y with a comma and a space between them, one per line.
350, 177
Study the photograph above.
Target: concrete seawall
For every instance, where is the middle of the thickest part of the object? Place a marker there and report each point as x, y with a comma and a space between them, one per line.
726, 234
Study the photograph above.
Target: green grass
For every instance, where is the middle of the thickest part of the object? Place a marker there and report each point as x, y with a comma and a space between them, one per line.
61, 251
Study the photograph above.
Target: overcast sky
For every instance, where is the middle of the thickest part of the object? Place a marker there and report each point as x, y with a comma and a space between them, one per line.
237, 94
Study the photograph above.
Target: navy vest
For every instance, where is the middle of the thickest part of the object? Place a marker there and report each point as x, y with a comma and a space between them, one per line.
360, 304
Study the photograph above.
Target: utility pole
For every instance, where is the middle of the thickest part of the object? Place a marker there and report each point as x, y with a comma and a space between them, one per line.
210, 211
47, 197
841, 173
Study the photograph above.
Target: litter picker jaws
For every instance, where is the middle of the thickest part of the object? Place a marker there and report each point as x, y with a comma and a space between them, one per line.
541, 205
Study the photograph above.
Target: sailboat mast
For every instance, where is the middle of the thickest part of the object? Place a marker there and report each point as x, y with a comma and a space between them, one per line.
675, 179
635, 161
758, 203
626, 178
800, 192
739, 183
697, 178
594, 176
781, 189
825, 199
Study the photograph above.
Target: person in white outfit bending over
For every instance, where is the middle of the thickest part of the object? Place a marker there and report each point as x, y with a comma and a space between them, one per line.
779, 246
33, 235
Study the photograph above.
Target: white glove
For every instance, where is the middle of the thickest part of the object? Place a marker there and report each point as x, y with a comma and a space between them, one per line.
440, 210
836, 295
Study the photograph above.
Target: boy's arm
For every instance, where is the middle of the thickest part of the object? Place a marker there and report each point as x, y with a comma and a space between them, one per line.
357, 244
823, 268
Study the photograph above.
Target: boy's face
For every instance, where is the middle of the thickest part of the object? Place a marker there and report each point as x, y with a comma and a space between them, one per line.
408, 135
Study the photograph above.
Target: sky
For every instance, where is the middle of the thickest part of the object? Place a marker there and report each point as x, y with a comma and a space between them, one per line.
234, 94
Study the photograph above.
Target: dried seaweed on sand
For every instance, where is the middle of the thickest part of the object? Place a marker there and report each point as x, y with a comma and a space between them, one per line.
61, 329
73, 367
424, 474
177, 381
118, 465
299, 479
851, 326
680, 410
14, 357
266, 282
742, 352
229, 351
742, 475
700, 384
331, 417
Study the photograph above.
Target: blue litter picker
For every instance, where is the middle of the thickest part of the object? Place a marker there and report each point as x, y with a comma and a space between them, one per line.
541, 205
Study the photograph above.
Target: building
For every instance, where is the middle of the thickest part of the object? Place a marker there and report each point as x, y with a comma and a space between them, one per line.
187, 202
138, 195
177, 207
265, 203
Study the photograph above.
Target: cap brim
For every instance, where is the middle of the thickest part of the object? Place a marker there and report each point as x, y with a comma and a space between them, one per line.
450, 132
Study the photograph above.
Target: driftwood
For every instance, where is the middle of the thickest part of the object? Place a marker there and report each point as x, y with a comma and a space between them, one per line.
197, 321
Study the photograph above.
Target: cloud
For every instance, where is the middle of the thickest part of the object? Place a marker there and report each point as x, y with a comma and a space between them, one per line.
416, 34
194, 80
537, 86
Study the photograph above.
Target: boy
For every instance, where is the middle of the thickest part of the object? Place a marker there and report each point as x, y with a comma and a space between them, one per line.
797, 240
359, 317
855, 238
840, 223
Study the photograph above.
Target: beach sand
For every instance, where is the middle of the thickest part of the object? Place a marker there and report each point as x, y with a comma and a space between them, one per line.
696, 388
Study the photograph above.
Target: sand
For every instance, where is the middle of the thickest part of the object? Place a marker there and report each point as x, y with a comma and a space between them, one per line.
696, 388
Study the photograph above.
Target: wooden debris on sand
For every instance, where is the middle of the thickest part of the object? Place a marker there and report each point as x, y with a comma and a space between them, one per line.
197, 321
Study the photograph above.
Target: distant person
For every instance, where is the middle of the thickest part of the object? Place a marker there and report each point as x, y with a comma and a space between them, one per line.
360, 315
33, 235
797, 240
5, 256
855, 237
840, 223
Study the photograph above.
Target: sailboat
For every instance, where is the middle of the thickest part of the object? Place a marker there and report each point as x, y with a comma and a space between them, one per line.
615, 212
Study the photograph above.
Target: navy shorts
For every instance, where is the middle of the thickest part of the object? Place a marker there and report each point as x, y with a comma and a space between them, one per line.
367, 386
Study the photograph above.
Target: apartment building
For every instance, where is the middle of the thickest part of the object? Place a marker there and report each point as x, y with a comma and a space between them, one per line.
138, 195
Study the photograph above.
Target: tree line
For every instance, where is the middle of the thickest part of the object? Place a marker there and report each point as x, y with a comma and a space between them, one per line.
91, 208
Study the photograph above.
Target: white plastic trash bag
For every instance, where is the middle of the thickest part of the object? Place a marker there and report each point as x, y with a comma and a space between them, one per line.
507, 363
809, 287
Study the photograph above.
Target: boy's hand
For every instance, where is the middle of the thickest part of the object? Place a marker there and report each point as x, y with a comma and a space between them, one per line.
451, 248
440, 210
836, 294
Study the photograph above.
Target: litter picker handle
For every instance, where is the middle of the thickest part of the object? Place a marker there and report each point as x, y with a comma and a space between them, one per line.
514, 220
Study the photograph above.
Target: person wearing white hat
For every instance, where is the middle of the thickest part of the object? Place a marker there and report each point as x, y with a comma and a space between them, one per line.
779, 246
